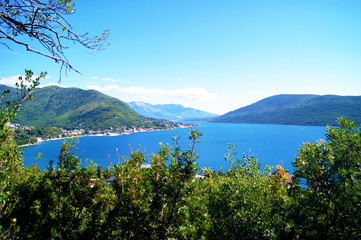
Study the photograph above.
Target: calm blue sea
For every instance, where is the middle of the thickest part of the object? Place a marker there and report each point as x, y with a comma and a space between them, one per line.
273, 144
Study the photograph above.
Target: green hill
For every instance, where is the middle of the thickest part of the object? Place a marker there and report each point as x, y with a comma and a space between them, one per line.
297, 110
71, 108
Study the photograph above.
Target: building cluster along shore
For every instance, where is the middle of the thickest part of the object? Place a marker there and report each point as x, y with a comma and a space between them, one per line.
66, 133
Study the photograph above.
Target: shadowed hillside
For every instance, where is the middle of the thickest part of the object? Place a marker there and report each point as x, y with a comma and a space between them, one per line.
297, 110
76, 108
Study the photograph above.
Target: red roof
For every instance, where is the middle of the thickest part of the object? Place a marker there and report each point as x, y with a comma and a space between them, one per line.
282, 175
281, 172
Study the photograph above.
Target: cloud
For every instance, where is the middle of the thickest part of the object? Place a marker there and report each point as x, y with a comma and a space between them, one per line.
11, 81
188, 94
53, 84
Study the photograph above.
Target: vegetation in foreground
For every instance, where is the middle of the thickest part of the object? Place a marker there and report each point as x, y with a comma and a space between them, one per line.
168, 201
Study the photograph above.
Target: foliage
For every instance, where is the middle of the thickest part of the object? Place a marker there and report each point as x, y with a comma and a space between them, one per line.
22, 138
152, 203
23, 21
45, 132
67, 201
10, 153
330, 207
29, 137
242, 203
164, 200
62, 202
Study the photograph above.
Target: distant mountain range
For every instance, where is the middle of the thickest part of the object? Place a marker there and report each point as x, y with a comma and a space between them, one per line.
297, 110
71, 108
173, 112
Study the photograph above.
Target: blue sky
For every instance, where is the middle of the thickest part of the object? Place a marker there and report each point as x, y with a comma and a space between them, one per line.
215, 56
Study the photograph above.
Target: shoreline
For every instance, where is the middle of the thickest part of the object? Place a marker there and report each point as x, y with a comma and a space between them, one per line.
102, 135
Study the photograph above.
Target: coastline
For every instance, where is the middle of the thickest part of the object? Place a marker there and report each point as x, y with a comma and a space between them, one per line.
106, 134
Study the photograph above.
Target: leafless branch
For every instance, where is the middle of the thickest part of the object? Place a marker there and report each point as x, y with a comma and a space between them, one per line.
45, 22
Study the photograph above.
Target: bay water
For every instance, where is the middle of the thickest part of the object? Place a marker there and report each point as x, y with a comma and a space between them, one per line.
272, 144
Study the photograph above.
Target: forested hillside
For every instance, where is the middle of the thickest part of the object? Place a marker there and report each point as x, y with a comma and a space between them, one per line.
297, 110
71, 108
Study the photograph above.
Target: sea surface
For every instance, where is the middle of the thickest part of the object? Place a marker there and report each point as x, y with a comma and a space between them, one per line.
272, 144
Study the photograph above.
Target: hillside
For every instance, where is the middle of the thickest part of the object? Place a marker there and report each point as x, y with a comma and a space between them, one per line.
71, 108
297, 110
173, 112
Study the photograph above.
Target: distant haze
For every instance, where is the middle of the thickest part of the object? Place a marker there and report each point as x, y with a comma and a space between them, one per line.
173, 112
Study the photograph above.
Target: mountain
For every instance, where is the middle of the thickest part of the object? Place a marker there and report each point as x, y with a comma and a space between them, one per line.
297, 110
71, 108
173, 112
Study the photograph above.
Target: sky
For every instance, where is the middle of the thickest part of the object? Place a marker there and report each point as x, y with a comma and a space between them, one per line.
215, 56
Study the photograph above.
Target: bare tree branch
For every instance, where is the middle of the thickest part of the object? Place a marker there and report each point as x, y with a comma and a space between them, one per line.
45, 22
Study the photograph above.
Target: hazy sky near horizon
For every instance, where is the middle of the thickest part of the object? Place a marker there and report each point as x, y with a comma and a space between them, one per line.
215, 56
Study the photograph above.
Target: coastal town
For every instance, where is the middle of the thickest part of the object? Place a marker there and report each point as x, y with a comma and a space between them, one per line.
29, 135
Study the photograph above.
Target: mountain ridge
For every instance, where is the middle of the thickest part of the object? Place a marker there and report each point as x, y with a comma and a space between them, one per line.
172, 112
296, 109
72, 108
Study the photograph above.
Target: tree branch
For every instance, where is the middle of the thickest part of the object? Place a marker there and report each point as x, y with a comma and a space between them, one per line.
45, 22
